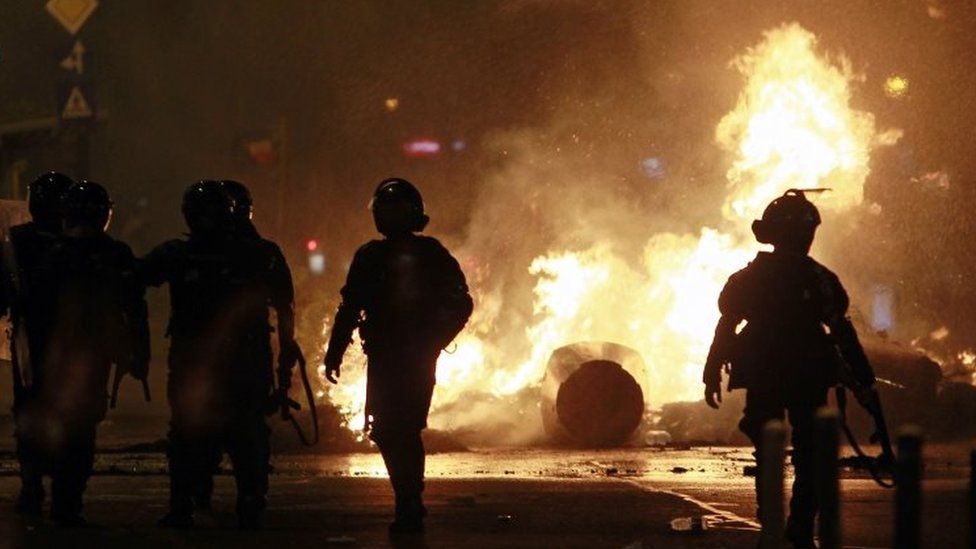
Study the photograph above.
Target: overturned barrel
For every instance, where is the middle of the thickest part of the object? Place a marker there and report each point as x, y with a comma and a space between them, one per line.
592, 394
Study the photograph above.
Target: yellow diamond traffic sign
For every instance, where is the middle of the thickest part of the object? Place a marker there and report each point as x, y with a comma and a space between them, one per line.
72, 14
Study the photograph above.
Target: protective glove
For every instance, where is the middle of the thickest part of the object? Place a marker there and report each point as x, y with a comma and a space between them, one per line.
713, 394
288, 356
278, 401
868, 397
333, 368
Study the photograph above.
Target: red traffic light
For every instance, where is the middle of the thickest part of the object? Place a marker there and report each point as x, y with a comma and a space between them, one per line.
312, 245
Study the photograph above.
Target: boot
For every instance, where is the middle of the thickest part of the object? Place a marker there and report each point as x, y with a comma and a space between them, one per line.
180, 515
176, 520
250, 512
203, 494
410, 514
30, 502
800, 533
202, 502
66, 502
69, 520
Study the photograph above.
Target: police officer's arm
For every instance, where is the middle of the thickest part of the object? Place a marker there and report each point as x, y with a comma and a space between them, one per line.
157, 267
354, 295
4, 283
10, 285
136, 315
836, 304
718, 357
456, 304
283, 303
720, 353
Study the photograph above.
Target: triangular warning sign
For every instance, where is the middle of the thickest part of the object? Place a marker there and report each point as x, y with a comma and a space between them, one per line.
76, 106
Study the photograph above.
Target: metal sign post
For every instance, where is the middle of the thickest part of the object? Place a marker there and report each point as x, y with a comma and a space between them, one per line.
76, 99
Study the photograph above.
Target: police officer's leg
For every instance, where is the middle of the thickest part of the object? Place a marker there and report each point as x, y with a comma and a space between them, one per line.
71, 470
403, 453
397, 432
30, 456
249, 448
412, 476
179, 453
761, 407
204, 486
190, 446
803, 503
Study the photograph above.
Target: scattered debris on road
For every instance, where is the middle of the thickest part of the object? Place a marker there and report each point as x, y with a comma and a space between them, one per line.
689, 525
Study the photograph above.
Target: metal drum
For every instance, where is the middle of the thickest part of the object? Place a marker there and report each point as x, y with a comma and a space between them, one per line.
592, 394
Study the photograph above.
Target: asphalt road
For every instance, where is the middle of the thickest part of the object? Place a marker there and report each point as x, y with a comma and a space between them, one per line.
343, 511
498, 498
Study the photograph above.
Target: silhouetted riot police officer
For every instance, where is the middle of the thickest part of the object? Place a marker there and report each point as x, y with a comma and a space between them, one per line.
408, 297
23, 299
220, 363
786, 356
98, 318
242, 215
242, 226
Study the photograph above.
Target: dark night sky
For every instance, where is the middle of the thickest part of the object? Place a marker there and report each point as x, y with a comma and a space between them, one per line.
182, 82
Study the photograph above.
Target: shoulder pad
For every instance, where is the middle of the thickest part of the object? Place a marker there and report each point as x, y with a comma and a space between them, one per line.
836, 299
269, 246
741, 275
121, 247
823, 273
370, 248
429, 240
433, 245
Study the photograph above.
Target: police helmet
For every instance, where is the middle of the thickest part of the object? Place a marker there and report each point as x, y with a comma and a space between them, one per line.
207, 206
789, 217
87, 204
398, 207
44, 197
239, 193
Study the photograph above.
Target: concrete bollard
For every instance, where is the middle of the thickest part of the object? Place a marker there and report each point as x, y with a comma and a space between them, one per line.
972, 499
827, 479
770, 484
908, 492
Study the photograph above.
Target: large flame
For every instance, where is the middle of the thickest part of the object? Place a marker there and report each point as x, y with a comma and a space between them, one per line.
792, 127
